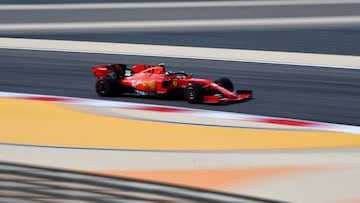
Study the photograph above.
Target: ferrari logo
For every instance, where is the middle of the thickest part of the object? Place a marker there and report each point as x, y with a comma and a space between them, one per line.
144, 84
175, 83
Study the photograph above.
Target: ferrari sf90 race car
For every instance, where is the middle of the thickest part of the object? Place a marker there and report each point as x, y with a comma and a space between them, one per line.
148, 80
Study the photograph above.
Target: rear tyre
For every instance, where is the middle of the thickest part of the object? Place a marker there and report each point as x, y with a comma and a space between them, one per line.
225, 83
194, 93
106, 87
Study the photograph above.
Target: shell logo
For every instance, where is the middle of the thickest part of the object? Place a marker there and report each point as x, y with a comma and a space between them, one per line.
152, 84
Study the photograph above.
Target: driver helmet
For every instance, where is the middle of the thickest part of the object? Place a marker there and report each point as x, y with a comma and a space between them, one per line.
161, 65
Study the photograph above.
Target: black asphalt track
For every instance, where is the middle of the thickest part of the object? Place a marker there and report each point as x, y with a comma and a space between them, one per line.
336, 39
310, 93
191, 13
339, 40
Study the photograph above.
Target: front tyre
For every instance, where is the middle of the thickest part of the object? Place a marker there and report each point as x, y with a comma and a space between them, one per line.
194, 93
225, 83
106, 87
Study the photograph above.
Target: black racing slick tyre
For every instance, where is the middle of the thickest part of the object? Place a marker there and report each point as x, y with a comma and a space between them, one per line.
194, 93
225, 83
106, 87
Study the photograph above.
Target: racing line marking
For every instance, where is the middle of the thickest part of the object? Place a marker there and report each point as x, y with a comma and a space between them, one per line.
300, 124
241, 55
194, 4
70, 124
239, 23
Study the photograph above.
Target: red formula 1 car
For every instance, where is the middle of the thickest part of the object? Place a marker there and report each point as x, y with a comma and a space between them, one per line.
147, 80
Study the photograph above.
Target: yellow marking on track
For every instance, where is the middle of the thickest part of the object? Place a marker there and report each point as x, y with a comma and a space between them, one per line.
49, 124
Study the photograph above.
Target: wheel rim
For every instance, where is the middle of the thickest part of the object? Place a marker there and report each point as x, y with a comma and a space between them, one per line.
191, 93
102, 87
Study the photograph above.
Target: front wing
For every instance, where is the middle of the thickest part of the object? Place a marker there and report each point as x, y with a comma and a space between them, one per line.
240, 95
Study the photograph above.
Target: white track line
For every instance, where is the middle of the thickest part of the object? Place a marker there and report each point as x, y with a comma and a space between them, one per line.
178, 24
194, 4
272, 57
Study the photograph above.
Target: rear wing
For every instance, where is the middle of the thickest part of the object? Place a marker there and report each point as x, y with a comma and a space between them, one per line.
107, 70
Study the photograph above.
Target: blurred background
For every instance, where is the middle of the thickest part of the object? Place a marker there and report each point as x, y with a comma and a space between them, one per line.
306, 67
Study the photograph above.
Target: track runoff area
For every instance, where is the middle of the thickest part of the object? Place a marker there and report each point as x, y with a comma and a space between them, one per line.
281, 133
239, 153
